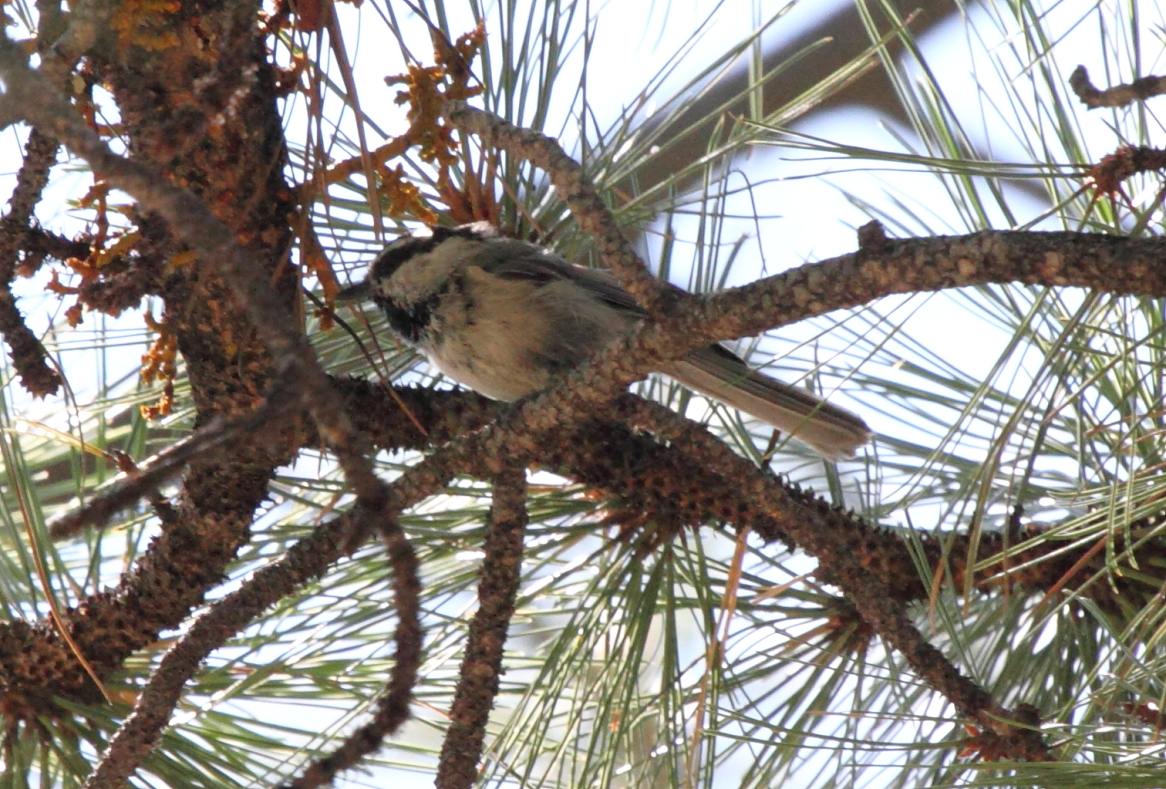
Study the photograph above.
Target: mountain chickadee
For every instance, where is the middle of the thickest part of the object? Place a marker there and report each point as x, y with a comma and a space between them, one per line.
505, 317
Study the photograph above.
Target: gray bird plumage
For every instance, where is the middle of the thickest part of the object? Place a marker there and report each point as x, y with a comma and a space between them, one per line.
505, 317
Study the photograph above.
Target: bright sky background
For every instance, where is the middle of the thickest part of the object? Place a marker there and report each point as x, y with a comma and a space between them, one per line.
633, 40
815, 220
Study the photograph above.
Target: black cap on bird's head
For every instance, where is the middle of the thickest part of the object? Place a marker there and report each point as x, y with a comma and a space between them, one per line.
406, 247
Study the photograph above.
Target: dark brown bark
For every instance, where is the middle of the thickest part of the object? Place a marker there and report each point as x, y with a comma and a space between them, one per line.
211, 123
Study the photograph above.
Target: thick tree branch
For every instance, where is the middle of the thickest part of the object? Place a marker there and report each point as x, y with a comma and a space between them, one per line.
1112, 264
658, 484
239, 171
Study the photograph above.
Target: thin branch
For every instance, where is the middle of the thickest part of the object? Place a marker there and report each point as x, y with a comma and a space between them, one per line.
40, 243
482, 665
305, 561
32, 95
576, 190
28, 355
393, 707
814, 532
1119, 95
170, 462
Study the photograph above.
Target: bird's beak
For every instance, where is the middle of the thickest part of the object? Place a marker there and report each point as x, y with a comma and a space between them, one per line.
355, 293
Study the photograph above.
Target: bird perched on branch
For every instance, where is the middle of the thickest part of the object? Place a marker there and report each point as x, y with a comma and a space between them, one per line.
505, 317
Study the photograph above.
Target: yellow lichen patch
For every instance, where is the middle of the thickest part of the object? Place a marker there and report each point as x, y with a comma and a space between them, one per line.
314, 261
424, 95
403, 197
160, 363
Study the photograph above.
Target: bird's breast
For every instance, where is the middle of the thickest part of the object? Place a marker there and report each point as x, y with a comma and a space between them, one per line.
509, 338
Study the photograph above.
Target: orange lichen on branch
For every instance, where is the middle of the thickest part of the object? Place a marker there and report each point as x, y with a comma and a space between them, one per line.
314, 261
122, 246
1107, 175
1024, 743
456, 59
160, 362
402, 196
89, 268
74, 314
426, 89
425, 97
983, 745
342, 170
95, 198
140, 23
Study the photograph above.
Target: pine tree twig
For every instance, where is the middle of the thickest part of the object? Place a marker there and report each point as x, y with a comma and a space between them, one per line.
393, 708
577, 191
304, 562
40, 244
190, 219
818, 537
150, 475
1119, 95
28, 355
481, 669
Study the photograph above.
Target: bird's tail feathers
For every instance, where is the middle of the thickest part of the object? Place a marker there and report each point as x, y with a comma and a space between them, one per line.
720, 374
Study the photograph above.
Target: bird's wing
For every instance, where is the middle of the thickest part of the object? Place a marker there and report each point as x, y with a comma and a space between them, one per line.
516, 260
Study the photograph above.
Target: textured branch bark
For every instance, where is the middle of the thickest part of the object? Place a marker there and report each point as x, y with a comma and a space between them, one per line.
392, 709
1107, 263
878, 608
236, 349
576, 190
239, 171
481, 669
28, 355
1119, 95
305, 561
